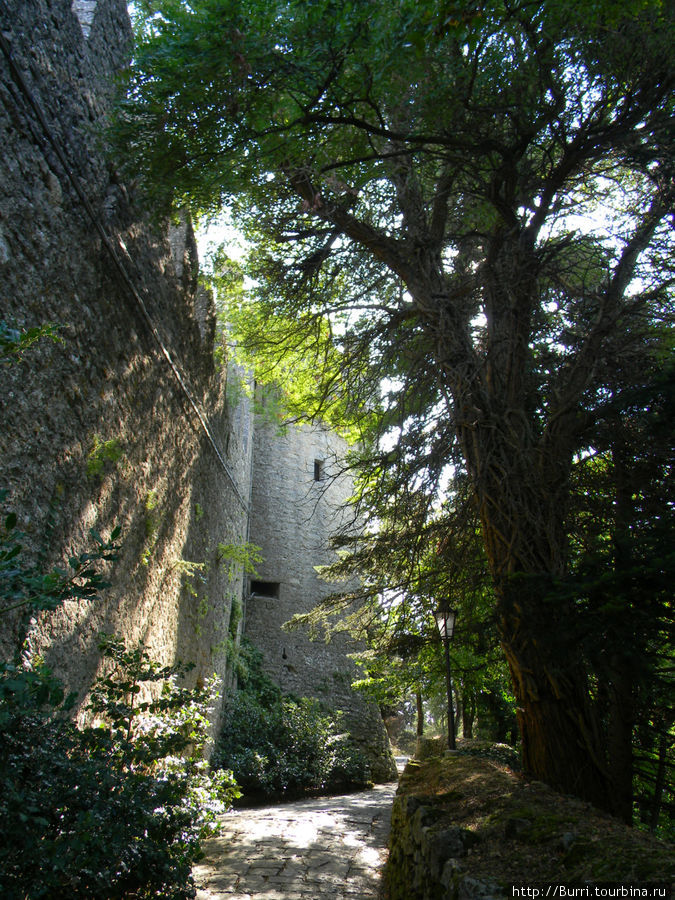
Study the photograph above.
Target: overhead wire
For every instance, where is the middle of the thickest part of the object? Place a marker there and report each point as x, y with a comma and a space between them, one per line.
133, 292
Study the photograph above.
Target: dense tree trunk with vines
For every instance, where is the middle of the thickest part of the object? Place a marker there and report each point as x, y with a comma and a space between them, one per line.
523, 534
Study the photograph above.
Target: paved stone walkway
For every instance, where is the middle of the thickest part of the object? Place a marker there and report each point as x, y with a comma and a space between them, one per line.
333, 848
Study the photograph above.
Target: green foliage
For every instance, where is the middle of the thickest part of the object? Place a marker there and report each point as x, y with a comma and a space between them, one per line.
150, 504
418, 554
279, 745
107, 811
190, 570
462, 252
225, 278
26, 587
150, 525
623, 566
243, 556
193, 578
103, 456
14, 342
236, 615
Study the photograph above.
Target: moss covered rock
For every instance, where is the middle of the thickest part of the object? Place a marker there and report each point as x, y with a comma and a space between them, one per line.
467, 827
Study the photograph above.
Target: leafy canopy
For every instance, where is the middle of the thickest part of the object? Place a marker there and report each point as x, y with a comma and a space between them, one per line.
461, 216
376, 154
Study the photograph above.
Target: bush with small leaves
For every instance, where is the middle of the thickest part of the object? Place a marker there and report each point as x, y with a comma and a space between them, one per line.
116, 809
278, 745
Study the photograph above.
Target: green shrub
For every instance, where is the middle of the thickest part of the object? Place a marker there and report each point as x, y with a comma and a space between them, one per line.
112, 810
280, 745
14, 342
109, 811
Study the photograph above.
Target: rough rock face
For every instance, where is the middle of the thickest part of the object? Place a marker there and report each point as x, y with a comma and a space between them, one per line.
298, 503
96, 429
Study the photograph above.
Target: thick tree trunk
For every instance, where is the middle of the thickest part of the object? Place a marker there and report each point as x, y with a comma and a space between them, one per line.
518, 458
520, 477
561, 744
523, 516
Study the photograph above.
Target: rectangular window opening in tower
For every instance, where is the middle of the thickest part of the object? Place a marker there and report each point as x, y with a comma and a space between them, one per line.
265, 589
318, 470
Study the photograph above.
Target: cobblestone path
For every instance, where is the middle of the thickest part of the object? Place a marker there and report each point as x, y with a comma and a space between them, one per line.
328, 849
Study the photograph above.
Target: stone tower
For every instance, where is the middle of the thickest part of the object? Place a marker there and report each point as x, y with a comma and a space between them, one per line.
299, 500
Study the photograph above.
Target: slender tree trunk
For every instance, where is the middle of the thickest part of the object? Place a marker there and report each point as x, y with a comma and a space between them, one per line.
468, 715
420, 713
659, 785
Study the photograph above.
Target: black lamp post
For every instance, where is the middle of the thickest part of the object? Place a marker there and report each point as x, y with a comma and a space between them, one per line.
445, 620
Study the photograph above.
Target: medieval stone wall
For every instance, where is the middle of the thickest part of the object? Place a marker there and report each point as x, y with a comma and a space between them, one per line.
107, 385
98, 429
299, 501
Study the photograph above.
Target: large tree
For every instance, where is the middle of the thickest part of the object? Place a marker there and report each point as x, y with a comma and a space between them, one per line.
420, 178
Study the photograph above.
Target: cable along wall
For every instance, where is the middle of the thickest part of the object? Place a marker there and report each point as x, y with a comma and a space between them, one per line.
134, 373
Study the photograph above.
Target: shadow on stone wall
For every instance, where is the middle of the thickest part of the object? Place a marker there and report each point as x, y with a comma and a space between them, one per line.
95, 429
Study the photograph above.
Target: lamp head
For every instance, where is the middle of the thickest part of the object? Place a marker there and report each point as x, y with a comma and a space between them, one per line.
445, 621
